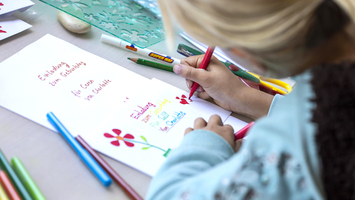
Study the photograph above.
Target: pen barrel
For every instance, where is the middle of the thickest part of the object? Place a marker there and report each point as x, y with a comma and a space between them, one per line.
241, 73
159, 57
207, 58
84, 155
95, 168
242, 132
26, 179
194, 86
246, 75
205, 61
134, 49
64, 132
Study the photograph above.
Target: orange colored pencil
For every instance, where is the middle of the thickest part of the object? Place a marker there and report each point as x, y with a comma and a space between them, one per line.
9, 188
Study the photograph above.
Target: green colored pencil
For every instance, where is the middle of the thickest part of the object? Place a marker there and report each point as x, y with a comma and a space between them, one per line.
3, 195
152, 64
4, 165
26, 179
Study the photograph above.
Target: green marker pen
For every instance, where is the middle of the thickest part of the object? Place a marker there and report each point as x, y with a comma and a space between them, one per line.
188, 51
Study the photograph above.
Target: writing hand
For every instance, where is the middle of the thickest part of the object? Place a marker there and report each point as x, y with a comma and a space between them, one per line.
226, 89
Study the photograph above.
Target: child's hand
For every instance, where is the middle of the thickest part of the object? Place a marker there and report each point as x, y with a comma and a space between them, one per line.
216, 81
215, 125
226, 89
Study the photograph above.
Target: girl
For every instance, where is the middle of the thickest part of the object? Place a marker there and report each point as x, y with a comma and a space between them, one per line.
302, 147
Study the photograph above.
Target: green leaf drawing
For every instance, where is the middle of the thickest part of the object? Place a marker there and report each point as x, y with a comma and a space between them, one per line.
145, 148
143, 138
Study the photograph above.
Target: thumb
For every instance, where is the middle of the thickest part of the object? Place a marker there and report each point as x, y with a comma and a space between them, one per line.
191, 73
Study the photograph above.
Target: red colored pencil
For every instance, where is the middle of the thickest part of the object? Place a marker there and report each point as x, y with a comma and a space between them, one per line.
119, 180
10, 189
242, 132
204, 64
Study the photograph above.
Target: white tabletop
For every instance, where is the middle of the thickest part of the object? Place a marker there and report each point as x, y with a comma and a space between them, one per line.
54, 166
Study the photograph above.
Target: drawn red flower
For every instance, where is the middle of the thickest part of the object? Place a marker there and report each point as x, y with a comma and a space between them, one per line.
118, 137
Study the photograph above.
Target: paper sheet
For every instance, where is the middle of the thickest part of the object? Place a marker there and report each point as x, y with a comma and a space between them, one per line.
8, 7
10, 26
120, 113
143, 133
54, 75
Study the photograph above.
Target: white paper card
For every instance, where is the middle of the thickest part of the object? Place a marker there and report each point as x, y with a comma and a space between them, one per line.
54, 75
122, 114
143, 133
8, 7
10, 26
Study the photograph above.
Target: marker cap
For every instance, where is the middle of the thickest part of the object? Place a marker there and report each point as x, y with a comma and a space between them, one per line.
114, 41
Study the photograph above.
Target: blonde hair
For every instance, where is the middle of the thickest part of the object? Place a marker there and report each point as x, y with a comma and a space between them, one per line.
274, 30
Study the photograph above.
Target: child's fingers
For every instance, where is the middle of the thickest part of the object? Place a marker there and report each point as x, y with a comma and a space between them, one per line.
229, 128
200, 123
215, 119
189, 85
237, 145
195, 61
202, 95
197, 75
188, 130
200, 89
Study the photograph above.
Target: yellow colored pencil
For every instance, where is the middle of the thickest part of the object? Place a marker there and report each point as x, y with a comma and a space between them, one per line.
3, 195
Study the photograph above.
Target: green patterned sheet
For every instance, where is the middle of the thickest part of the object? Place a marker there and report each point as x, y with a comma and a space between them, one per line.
125, 19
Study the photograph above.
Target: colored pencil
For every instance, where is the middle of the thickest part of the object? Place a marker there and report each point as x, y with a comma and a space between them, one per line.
5, 165
204, 64
83, 154
119, 180
3, 195
242, 132
152, 64
10, 189
26, 179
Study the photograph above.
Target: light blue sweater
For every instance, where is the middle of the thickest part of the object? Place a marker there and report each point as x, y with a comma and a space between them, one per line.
278, 161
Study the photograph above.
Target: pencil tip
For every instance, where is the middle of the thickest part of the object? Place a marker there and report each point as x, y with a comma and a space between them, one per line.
128, 58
